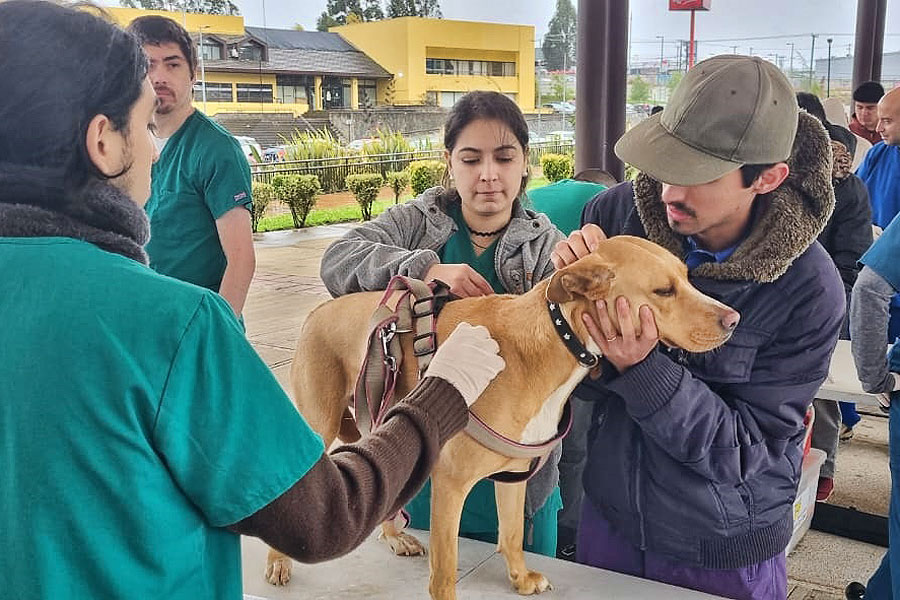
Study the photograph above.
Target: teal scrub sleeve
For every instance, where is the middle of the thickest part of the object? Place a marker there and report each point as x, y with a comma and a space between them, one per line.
226, 178
231, 438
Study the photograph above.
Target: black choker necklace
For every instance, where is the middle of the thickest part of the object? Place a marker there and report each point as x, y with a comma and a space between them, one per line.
486, 233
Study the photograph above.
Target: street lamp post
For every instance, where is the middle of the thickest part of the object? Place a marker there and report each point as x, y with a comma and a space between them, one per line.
791, 68
662, 45
202, 69
828, 85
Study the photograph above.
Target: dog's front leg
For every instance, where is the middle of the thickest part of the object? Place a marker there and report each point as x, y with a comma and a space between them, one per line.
447, 499
511, 516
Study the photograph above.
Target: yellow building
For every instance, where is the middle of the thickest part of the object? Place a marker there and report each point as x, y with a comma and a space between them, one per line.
435, 61
256, 70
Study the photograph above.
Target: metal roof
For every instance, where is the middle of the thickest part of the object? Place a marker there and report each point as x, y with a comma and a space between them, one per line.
312, 62
289, 39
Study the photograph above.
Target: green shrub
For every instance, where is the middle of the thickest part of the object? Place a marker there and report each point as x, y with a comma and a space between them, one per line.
424, 174
263, 194
398, 180
365, 186
557, 167
299, 192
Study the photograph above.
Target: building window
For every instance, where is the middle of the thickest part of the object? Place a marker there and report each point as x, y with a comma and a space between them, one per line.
367, 93
431, 98
490, 68
295, 89
250, 51
254, 92
211, 50
215, 92
448, 99
336, 92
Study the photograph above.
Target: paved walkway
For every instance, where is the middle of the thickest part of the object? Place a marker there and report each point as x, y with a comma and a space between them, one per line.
287, 286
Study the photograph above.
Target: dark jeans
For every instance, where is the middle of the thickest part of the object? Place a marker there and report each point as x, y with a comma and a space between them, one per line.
884, 584
599, 546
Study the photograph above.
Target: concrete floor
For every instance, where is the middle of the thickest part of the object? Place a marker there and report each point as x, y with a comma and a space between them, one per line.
287, 286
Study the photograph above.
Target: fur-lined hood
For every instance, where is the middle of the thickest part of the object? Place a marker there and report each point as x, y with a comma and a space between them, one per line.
787, 219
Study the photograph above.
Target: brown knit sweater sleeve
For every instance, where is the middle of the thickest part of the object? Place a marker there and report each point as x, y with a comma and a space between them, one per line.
334, 507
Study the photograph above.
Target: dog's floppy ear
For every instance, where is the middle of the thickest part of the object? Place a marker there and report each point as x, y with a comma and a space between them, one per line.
590, 279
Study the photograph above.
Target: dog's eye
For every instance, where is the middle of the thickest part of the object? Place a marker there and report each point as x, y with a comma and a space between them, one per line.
665, 292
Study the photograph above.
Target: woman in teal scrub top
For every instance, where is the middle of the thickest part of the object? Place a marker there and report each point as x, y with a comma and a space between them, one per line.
141, 434
473, 234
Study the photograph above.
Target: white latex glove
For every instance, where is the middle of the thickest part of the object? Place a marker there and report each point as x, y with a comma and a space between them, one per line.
468, 360
884, 398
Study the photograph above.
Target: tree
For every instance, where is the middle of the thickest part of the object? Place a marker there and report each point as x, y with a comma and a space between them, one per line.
325, 21
639, 92
561, 40
209, 7
298, 27
372, 11
414, 8
342, 12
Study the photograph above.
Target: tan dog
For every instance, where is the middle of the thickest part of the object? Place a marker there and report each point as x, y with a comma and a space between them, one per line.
525, 402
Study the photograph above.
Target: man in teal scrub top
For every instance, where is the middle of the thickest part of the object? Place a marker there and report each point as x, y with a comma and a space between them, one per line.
200, 206
562, 201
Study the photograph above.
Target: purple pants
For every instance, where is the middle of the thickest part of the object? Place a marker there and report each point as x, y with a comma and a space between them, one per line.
599, 546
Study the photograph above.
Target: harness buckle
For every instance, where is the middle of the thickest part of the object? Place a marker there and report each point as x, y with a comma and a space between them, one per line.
386, 334
432, 336
430, 309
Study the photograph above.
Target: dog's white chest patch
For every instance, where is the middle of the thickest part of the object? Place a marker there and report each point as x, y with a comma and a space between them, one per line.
543, 425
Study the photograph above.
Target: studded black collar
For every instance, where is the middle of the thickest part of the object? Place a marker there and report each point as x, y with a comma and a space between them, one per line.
584, 356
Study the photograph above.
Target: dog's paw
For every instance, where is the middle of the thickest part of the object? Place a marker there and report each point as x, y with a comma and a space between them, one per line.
531, 583
404, 544
278, 571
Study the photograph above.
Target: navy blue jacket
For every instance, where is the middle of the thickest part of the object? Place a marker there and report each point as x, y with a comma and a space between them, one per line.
698, 456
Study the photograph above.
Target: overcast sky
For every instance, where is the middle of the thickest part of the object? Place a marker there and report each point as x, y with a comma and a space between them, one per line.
731, 20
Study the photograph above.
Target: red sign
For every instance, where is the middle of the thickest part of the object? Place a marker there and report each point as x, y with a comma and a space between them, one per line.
689, 4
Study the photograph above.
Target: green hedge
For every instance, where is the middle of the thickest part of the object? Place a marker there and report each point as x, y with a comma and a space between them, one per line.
399, 181
299, 192
424, 174
365, 186
557, 167
262, 194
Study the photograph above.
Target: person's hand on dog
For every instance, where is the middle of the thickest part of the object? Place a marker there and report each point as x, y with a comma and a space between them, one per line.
464, 281
580, 242
468, 359
632, 345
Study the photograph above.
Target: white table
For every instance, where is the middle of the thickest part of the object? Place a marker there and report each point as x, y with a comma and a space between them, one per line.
842, 383
372, 572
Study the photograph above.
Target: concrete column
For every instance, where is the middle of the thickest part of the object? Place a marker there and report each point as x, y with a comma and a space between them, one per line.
601, 84
318, 100
354, 93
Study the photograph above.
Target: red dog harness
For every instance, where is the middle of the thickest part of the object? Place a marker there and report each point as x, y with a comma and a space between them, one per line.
416, 310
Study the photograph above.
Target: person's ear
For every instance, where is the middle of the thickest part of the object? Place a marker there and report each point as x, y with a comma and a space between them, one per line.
771, 178
105, 146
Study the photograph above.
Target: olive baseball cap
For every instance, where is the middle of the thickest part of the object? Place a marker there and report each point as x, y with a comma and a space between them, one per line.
727, 112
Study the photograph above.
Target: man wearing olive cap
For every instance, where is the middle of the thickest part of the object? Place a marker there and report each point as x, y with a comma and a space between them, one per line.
694, 459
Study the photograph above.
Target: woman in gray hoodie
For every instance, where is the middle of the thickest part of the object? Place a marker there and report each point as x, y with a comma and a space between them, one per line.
474, 235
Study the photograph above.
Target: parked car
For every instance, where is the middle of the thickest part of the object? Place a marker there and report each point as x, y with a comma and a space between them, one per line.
274, 154
252, 150
561, 136
358, 144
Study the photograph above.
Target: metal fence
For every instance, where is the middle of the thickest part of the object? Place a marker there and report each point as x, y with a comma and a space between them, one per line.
332, 172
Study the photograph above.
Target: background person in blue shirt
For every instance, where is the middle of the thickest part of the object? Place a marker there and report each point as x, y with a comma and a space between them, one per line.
141, 432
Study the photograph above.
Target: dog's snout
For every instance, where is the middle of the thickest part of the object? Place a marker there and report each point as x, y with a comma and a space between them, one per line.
730, 320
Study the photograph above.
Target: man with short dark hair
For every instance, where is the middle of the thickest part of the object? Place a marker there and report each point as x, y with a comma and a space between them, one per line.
865, 111
200, 206
694, 460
